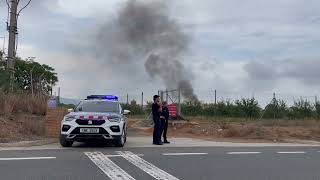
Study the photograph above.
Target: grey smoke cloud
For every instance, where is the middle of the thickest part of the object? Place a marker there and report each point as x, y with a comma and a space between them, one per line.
269, 73
142, 33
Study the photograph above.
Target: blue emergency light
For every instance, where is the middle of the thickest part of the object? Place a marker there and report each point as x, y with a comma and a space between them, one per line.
106, 97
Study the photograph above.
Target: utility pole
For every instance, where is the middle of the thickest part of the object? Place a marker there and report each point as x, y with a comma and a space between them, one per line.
13, 31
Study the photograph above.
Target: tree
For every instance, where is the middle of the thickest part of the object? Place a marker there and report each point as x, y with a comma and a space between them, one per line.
317, 109
301, 109
276, 109
4, 80
249, 106
1, 57
42, 76
30, 76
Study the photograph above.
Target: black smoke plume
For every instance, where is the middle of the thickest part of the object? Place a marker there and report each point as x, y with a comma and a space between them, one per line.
143, 30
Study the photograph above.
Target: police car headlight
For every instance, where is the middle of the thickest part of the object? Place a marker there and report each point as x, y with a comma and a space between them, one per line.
115, 120
69, 118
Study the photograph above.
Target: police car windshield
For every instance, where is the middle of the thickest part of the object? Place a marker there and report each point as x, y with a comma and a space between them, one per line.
98, 106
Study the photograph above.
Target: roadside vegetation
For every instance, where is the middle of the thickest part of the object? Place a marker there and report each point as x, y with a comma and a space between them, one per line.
23, 103
243, 109
243, 120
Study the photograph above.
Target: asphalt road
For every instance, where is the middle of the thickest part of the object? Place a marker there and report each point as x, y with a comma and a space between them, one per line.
193, 163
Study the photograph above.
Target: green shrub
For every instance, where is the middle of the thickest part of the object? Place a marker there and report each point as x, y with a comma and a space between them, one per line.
134, 108
277, 109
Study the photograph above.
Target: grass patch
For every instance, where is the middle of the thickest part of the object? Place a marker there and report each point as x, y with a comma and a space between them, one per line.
22, 103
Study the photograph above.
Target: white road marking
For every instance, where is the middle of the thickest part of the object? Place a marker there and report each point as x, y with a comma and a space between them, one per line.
26, 158
292, 152
118, 155
182, 154
147, 167
244, 153
113, 171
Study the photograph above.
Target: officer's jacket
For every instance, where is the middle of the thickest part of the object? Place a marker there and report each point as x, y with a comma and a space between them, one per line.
165, 112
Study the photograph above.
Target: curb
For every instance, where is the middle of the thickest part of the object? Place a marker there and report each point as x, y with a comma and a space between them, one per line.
29, 143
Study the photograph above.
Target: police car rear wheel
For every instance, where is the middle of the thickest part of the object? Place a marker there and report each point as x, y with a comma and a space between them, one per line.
64, 142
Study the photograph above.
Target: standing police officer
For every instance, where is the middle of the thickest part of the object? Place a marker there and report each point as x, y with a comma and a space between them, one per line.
156, 113
164, 122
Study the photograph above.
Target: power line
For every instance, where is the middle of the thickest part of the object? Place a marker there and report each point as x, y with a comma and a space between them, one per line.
23, 7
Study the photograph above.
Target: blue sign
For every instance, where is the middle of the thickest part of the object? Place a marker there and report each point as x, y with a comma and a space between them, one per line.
53, 102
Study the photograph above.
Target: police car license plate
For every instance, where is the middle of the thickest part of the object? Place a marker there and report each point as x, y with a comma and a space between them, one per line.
89, 130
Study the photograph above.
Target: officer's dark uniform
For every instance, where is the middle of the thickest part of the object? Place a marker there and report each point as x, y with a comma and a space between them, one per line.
157, 124
164, 123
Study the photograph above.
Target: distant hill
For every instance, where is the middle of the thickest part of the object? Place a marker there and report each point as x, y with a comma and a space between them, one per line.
69, 101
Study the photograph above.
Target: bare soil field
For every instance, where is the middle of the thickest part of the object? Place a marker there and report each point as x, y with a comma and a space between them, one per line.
246, 131
21, 127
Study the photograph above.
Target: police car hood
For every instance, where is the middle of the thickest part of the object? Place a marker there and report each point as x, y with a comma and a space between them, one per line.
95, 115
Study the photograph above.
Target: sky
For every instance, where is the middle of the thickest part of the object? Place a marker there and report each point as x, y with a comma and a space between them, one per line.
241, 48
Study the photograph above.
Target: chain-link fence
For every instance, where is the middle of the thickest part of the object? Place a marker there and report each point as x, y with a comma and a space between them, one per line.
217, 103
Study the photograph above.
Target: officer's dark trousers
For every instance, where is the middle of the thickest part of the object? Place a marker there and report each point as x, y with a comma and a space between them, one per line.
156, 131
164, 129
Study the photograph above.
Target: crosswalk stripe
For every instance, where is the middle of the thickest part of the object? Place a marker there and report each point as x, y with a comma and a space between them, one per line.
113, 171
147, 167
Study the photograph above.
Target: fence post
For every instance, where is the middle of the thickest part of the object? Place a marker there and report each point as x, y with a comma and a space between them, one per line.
142, 100
127, 99
274, 105
179, 102
316, 106
215, 97
166, 95
161, 96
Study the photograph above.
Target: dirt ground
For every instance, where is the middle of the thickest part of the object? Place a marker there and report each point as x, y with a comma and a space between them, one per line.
21, 127
263, 131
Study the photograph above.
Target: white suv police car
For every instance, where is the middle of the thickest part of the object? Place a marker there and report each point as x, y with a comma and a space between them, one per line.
99, 117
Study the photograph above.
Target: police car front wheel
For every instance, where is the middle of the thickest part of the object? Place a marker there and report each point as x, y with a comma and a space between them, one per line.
120, 141
64, 142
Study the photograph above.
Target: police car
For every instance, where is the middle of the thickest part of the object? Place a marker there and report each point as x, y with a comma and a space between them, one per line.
99, 117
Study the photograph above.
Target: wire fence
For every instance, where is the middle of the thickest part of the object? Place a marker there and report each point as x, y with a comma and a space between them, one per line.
208, 97
237, 105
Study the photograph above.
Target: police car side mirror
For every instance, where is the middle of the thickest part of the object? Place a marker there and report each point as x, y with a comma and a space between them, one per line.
70, 110
126, 112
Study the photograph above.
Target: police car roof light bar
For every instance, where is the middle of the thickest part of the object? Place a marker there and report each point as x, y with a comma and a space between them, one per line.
106, 97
